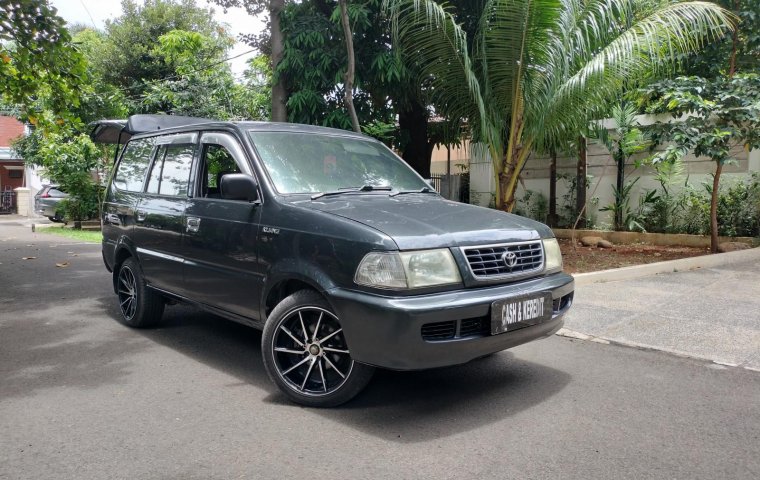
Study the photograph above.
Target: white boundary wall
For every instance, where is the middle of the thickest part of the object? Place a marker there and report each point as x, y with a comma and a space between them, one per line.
602, 168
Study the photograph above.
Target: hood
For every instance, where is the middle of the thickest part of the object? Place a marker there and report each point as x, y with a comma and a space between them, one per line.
418, 221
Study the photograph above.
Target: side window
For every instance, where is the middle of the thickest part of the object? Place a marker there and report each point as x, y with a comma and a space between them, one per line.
170, 174
154, 179
130, 173
216, 162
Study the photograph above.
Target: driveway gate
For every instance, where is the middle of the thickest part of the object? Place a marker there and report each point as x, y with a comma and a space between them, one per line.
7, 202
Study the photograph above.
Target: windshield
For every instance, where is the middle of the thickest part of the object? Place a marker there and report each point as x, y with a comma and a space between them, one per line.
313, 163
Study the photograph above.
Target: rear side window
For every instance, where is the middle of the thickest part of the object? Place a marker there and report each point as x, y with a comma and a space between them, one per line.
171, 170
135, 160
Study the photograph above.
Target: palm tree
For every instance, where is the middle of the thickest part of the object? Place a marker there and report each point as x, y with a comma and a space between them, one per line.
535, 72
625, 140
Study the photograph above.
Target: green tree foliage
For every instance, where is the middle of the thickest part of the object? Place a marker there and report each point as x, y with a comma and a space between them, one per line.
69, 159
98, 98
721, 114
269, 42
37, 59
715, 60
128, 58
314, 61
165, 56
202, 84
314, 64
536, 71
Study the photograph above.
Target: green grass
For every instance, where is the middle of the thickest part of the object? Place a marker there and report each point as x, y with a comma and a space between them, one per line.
82, 235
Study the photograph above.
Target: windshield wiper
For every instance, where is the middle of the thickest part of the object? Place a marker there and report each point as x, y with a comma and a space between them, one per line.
365, 188
421, 190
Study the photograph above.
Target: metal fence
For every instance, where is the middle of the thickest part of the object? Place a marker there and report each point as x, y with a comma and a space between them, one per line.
7, 202
455, 188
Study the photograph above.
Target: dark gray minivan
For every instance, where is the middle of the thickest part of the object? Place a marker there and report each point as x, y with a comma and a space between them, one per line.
326, 240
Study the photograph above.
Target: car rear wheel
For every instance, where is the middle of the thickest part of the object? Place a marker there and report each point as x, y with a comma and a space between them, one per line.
139, 306
306, 354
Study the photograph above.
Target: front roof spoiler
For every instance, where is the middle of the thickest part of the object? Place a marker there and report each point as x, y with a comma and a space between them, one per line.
120, 131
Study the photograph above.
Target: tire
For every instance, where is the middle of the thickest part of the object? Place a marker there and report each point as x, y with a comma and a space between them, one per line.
306, 355
139, 307
56, 218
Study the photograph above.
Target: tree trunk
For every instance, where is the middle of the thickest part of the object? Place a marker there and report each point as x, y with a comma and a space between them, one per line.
620, 183
514, 165
348, 78
450, 196
279, 93
417, 151
714, 209
552, 219
580, 183
734, 45
503, 203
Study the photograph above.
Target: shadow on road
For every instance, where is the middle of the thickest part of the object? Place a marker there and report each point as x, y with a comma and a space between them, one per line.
396, 406
53, 347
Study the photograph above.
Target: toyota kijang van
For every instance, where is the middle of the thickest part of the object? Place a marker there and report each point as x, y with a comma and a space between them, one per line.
325, 240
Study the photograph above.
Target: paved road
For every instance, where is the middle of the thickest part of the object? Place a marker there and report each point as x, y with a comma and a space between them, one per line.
82, 396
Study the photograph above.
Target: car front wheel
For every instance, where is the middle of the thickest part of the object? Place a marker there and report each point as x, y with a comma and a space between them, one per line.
139, 306
306, 354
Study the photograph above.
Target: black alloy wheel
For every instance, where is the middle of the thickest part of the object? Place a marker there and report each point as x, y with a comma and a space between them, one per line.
140, 307
306, 353
127, 291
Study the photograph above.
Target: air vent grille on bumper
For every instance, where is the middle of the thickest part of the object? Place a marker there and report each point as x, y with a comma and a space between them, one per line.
515, 259
439, 330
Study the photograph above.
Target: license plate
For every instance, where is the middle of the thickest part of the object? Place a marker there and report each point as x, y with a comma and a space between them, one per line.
522, 311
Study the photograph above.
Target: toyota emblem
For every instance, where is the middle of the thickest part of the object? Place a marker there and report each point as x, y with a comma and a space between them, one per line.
509, 259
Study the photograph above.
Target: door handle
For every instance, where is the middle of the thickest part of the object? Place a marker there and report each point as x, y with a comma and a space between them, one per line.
140, 215
193, 224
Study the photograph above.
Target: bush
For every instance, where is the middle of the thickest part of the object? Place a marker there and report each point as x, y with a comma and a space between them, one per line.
533, 205
689, 210
739, 209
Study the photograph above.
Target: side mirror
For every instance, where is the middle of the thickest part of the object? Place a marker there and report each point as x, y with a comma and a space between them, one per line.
239, 186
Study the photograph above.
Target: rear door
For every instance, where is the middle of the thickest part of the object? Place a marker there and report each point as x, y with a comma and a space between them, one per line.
124, 193
159, 218
221, 235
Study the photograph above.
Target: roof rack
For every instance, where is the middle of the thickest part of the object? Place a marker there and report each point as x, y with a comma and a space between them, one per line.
120, 131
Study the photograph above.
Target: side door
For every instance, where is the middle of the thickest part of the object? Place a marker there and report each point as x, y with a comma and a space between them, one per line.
124, 193
159, 218
220, 243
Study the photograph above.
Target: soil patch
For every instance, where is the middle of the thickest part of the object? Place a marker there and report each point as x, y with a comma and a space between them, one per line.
591, 259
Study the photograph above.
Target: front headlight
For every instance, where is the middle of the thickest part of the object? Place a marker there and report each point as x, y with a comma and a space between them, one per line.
423, 268
552, 255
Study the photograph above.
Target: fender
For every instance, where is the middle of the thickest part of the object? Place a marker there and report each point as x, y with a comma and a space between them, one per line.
293, 269
124, 243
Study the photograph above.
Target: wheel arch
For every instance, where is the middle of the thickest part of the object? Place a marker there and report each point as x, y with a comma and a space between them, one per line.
123, 251
289, 277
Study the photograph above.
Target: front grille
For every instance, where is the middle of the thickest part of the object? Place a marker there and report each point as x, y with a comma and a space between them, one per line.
496, 261
439, 330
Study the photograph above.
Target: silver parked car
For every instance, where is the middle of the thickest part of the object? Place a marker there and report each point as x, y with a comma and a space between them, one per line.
47, 202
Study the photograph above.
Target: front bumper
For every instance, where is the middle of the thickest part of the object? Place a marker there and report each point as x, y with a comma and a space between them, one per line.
387, 331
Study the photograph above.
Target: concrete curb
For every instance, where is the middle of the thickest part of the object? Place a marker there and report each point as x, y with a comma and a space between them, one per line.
564, 332
682, 264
